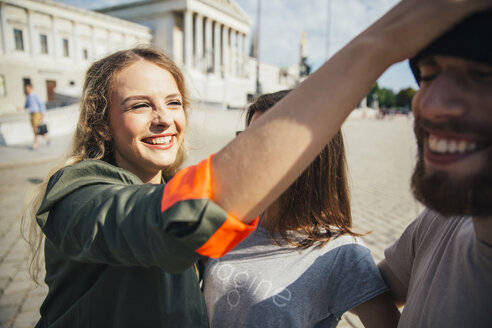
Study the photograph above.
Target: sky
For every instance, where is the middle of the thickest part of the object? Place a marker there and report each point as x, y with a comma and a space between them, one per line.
328, 25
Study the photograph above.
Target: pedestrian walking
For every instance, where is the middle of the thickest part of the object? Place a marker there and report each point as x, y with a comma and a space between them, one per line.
37, 110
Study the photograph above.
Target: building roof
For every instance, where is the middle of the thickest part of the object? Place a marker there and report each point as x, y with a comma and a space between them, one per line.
228, 7
48, 6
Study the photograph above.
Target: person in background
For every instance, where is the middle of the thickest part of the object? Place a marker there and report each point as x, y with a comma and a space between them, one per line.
441, 266
302, 266
36, 109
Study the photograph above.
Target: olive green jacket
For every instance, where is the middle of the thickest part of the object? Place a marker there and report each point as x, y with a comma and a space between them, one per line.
120, 253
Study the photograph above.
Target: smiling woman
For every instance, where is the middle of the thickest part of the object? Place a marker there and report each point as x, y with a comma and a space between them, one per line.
122, 236
108, 215
146, 112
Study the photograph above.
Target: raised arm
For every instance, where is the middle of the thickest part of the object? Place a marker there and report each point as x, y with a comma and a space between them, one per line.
255, 168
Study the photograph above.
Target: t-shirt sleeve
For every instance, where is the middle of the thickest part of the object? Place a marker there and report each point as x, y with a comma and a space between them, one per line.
401, 254
361, 281
97, 214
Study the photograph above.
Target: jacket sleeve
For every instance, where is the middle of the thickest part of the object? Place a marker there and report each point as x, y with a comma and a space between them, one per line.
95, 213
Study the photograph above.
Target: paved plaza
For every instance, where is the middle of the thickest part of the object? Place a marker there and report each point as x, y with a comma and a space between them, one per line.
381, 155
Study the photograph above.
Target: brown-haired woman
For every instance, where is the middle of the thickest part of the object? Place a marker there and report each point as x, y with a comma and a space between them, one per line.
302, 266
120, 244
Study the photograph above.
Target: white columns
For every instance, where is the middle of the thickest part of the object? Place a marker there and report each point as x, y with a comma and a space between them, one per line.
3, 25
217, 48
199, 42
208, 46
93, 50
233, 55
108, 42
244, 55
32, 35
240, 54
54, 37
213, 48
75, 42
188, 39
225, 50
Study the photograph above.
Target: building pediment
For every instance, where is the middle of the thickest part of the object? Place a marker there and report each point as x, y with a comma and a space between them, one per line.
229, 7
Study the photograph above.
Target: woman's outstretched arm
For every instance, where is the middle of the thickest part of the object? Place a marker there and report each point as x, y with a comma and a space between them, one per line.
255, 168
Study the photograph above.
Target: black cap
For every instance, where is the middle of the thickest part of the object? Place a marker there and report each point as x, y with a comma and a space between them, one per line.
470, 39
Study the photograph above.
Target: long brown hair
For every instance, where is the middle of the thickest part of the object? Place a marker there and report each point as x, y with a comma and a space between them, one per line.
317, 204
93, 136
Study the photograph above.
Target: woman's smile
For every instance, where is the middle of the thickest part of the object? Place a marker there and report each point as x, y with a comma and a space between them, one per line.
160, 142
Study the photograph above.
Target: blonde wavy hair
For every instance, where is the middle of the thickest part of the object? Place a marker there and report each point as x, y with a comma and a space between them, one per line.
93, 136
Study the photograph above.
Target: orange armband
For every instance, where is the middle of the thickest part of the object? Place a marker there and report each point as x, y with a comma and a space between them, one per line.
195, 183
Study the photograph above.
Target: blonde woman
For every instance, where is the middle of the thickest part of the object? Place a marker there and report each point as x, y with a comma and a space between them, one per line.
122, 236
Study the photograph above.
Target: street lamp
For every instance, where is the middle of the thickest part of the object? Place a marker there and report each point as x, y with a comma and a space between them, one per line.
328, 28
257, 47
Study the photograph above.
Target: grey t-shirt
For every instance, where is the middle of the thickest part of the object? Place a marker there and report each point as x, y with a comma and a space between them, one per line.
448, 273
260, 284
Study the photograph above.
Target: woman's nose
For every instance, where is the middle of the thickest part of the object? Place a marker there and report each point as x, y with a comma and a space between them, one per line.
162, 117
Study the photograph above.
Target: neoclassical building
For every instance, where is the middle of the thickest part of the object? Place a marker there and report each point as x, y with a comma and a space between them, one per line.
51, 44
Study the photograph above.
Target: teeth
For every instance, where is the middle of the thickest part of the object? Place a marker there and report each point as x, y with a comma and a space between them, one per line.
462, 146
452, 146
432, 143
446, 146
161, 140
442, 146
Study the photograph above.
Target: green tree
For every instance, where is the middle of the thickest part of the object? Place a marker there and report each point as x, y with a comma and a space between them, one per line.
386, 98
404, 98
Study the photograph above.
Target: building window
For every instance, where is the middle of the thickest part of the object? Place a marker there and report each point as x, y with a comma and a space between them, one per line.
43, 39
3, 89
19, 42
66, 53
85, 54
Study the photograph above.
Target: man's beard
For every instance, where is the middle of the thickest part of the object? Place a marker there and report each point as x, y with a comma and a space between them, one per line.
447, 195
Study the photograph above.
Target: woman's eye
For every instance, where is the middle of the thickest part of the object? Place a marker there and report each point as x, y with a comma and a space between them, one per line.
139, 106
174, 103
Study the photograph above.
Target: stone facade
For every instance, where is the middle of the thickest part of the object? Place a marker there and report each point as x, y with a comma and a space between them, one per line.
209, 39
51, 45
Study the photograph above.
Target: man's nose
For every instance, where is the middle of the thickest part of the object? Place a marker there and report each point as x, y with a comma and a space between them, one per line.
444, 98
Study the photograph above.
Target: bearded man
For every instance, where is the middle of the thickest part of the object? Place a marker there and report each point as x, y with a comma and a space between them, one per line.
441, 266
